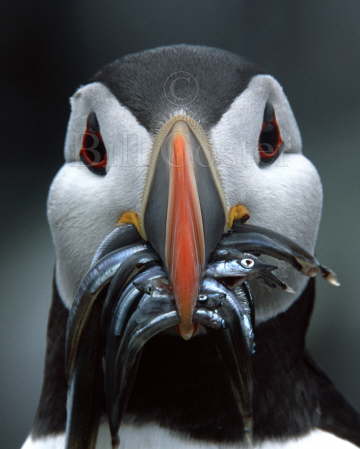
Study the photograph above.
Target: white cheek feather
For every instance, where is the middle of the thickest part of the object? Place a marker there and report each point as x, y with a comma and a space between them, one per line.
285, 196
84, 207
153, 437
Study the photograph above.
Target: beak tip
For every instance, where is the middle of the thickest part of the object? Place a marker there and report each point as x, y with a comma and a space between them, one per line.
186, 330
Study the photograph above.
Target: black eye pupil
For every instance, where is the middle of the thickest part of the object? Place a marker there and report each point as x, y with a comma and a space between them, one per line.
267, 148
89, 140
270, 141
93, 152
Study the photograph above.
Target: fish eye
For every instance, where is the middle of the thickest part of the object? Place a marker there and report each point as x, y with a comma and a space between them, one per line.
247, 262
270, 141
93, 152
202, 297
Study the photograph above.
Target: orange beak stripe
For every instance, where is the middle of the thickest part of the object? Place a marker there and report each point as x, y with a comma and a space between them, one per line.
185, 248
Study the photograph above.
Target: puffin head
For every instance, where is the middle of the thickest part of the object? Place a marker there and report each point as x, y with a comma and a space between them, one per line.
180, 141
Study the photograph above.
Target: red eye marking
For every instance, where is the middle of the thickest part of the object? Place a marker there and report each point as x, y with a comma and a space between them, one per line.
270, 141
93, 152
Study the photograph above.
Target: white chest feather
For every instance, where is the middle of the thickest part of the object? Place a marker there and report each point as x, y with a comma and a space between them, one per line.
151, 436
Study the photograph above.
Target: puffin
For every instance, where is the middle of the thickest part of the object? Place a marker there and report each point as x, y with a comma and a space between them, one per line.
177, 145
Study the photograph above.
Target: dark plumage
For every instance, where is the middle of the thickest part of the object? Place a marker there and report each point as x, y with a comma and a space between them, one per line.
142, 82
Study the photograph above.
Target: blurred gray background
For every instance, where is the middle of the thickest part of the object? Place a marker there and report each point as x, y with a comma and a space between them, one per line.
50, 48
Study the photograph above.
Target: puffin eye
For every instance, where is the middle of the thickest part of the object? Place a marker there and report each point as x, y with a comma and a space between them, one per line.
93, 152
270, 141
247, 262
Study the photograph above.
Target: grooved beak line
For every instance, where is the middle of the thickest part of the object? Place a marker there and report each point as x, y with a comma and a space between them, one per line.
183, 213
184, 247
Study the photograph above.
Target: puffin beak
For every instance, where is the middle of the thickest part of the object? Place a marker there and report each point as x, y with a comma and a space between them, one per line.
184, 215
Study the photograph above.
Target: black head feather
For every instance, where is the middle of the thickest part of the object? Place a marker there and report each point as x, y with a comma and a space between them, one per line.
155, 84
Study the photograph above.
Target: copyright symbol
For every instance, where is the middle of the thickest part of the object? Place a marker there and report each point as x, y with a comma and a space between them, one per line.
181, 88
